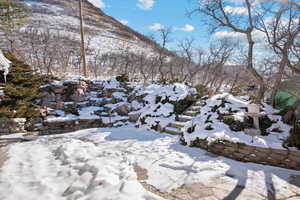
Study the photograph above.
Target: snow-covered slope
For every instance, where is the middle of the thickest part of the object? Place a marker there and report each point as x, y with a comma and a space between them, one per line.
222, 118
103, 32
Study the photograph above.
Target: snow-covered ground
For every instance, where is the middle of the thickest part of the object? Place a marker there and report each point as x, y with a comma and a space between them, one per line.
98, 164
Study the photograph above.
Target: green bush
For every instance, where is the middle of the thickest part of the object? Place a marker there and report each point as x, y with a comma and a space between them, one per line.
22, 90
181, 105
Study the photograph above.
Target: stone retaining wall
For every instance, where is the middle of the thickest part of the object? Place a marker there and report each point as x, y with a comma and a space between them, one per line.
242, 152
60, 127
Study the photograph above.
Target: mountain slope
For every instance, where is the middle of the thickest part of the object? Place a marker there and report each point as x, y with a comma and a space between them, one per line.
102, 31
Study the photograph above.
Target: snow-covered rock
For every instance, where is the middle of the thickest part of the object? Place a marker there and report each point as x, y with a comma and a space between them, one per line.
223, 117
158, 110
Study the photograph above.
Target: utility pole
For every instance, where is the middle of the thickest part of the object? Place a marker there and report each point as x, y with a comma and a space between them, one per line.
82, 40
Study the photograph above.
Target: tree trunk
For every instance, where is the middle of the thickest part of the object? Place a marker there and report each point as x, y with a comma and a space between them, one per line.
278, 80
82, 40
261, 93
236, 77
259, 78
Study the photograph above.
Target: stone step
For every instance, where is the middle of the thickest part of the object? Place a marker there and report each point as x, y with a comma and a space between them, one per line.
199, 103
184, 118
83, 104
177, 124
195, 108
191, 113
173, 131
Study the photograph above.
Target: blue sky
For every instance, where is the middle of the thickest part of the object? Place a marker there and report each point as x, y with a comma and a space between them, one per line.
141, 15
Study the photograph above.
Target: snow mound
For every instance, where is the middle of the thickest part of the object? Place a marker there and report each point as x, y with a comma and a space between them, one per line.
211, 123
174, 92
159, 107
111, 84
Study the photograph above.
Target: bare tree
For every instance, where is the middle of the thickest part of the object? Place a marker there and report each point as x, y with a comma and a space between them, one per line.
282, 28
221, 17
165, 39
82, 40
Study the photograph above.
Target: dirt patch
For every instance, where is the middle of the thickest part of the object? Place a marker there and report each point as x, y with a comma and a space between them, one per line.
184, 192
220, 189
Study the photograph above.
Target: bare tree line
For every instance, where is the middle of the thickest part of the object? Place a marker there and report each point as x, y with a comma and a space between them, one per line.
55, 52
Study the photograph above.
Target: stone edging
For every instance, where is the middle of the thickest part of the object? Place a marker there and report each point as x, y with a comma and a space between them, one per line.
238, 151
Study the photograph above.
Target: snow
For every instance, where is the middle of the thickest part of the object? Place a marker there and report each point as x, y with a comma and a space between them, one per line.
174, 92
113, 119
97, 3
1, 91
98, 164
161, 112
111, 84
4, 64
88, 112
120, 96
57, 83
72, 170
222, 131
136, 105
68, 117
107, 39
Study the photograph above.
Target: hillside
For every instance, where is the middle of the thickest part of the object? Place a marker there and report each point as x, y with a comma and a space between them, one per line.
103, 32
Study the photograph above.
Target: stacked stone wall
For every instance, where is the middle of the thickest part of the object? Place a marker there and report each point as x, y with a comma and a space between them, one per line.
276, 157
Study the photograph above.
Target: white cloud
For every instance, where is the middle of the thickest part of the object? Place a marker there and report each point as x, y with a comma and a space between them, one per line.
98, 3
187, 28
145, 4
258, 36
125, 22
156, 27
227, 34
236, 10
